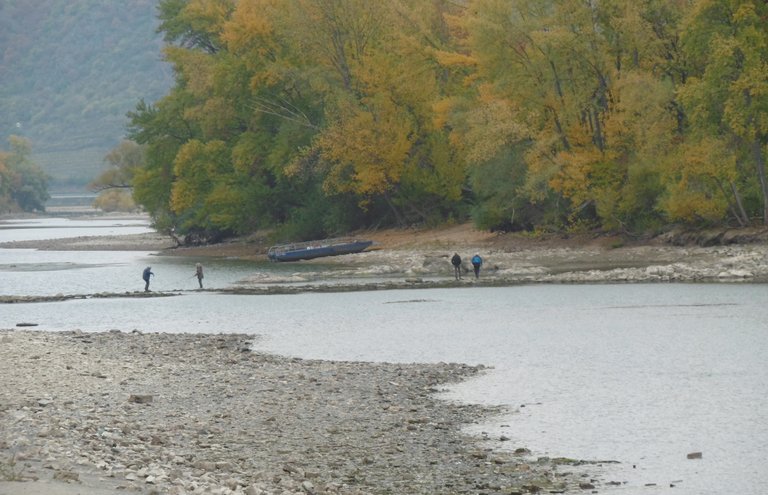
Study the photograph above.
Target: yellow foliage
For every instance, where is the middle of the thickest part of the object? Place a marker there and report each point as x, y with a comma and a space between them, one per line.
250, 27
115, 200
691, 204
208, 15
441, 110
215, 117
491, 125
367, 149
453, 59
696, 179
196, 67
195, 167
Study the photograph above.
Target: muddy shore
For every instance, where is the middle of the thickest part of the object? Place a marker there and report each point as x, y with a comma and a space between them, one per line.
419, 259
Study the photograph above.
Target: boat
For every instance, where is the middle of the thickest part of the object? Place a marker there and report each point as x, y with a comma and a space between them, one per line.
316, 249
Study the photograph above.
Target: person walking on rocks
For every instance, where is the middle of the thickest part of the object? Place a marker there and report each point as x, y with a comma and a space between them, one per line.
147, 273
477, 262
456, 262
199, 274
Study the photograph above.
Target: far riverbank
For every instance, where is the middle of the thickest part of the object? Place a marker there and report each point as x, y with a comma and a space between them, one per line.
413, 258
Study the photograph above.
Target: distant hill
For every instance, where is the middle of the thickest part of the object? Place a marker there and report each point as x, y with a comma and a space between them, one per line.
69, 72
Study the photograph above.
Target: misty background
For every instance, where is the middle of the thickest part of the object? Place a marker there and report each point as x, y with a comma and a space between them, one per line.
70, 70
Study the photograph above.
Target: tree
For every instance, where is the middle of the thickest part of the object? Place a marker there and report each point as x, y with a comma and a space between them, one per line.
727, 93
579, 83
115, 184
23, 184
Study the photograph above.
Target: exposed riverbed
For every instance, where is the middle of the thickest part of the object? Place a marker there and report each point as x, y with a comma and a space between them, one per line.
643, 374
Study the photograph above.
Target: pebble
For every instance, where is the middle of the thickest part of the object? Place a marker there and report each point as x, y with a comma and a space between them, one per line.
190, 414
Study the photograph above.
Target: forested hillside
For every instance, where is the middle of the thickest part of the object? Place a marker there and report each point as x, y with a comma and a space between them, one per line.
70, 70
321, 116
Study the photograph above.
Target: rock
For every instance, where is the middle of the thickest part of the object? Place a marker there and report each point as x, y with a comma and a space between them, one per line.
66, 476
694, 455
140, 398
308, 487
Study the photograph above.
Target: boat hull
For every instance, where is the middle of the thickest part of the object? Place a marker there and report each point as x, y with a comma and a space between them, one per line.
308, 251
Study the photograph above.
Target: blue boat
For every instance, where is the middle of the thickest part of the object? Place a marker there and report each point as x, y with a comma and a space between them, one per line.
316, 249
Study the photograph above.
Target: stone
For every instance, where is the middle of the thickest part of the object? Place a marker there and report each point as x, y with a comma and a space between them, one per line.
66, 476
140, 398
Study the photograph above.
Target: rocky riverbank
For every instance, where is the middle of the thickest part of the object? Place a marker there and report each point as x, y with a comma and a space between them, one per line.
115, 412
191, 414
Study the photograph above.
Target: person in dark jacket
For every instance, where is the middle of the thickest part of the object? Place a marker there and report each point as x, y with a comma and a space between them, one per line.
477, 262
456, 262
147, 273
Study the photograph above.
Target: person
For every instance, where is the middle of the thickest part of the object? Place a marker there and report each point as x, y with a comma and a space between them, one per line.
199, 274
456, 262
147, 273
477, 262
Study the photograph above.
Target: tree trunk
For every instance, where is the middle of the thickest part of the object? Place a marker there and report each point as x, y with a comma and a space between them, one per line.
737, 209
744, 218
398, 217
757, 153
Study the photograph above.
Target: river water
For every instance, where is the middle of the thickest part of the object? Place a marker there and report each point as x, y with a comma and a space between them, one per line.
640, 374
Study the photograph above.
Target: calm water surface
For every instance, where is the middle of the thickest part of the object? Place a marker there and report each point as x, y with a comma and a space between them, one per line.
641, 374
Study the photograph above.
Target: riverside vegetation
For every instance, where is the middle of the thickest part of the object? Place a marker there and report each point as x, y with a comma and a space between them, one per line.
317, 118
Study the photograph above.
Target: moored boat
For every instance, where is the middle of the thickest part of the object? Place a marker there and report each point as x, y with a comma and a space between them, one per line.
316, 249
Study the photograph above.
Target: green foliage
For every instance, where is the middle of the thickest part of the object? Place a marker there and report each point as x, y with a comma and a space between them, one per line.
727, 93
23, 184
500, 202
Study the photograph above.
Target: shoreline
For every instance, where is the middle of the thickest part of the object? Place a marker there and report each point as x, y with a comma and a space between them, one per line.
411, 258
158, 413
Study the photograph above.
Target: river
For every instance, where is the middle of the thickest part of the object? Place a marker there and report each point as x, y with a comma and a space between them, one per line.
640, 374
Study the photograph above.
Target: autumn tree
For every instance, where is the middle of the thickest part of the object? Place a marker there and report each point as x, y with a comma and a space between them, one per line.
380, 79
23, 184
320, 116
727, 94
581, 84
114, 185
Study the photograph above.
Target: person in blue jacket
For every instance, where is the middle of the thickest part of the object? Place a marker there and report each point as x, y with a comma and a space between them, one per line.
147, 273
477, 262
